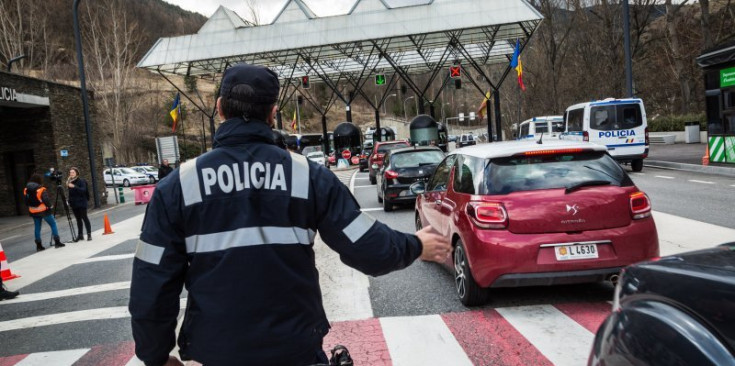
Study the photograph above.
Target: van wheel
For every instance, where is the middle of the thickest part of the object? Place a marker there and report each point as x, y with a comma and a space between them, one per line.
637, 165
469, 292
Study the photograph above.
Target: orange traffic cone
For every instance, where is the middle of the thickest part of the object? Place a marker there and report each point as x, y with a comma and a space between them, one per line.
705, 158
108, 228
4, 267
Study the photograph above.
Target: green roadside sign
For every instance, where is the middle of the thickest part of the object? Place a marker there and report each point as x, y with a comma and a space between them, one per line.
727, 77
380, 79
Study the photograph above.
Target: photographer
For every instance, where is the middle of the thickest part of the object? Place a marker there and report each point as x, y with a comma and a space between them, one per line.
39, 207
78, 197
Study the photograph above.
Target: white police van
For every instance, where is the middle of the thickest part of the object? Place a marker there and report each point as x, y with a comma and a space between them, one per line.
619, 124
549, 126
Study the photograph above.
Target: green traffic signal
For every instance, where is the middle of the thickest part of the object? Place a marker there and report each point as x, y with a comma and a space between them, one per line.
379, 79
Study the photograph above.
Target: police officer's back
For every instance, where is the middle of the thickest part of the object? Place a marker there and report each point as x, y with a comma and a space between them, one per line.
237, 226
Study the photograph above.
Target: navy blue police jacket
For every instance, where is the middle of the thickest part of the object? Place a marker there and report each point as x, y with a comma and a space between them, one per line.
236, 226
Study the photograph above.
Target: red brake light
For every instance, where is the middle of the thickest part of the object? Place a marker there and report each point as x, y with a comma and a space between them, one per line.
553, 152
640, 205
389, 174
585, 136
488, 215
648, 140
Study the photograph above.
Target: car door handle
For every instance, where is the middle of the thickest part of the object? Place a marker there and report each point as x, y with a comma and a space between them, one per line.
438, 202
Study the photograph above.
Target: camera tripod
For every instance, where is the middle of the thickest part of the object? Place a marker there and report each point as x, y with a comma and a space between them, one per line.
60, 195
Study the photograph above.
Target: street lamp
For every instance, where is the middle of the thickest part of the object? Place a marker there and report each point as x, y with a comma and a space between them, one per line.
385, 112
405, 114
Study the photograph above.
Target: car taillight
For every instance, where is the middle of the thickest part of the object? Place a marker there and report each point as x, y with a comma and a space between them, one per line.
585, 136
640, 205
389, 174
648, 140
488, 215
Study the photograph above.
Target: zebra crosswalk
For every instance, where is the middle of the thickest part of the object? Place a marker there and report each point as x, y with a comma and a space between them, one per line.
522, 335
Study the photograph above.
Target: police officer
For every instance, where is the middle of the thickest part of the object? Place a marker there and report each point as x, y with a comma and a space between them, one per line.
236, 226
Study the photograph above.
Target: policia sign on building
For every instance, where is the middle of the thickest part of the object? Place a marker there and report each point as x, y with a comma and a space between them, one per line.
38, 119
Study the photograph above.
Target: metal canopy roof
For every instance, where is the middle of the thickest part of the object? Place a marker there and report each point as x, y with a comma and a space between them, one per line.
371, 37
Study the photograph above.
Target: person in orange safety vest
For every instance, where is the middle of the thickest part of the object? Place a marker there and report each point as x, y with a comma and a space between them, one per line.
39, 207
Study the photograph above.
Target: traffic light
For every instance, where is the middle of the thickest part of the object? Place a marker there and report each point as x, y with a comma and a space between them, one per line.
380, 79
457, 84
305, 82
455, 72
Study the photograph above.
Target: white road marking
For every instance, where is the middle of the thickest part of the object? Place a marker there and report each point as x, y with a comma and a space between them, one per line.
8, 238
117, 312
701, 181
53, 358
352, 182
664, 177
362, 178
550, 330
115, 257
422, 340
370, 186
68, 292
732, 185
371, 209
43, 264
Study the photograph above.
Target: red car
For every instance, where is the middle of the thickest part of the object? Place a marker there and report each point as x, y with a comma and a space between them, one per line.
521, 213
379, 150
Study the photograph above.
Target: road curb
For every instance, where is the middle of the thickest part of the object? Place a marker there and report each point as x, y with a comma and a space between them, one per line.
707, 169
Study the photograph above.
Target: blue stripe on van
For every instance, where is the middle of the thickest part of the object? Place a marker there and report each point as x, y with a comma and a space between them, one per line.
626, 145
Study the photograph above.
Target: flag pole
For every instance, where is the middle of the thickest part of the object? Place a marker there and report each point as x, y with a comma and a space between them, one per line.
298, 116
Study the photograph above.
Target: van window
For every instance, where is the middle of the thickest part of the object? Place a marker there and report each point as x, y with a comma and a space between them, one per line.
557, 126
574, 119
524, 130
615, 117
542, 127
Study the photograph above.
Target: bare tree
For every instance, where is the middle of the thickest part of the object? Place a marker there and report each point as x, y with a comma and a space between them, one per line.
677, 58
253, 12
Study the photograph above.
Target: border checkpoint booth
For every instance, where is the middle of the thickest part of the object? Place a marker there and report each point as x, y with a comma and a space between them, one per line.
718, 64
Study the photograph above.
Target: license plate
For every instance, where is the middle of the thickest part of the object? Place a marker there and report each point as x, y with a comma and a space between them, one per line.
405, 193
572, 252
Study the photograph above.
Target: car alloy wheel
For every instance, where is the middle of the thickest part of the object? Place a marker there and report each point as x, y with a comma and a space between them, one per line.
470, 294
126, 183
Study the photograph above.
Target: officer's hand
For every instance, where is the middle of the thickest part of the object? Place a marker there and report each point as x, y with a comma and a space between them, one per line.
173, 361
434, 246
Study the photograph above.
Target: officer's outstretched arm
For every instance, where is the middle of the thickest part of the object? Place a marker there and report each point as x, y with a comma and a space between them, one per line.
159, 268
362, 242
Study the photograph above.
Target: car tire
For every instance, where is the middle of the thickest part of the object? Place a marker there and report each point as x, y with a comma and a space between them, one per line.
637, 165
126, 183
151, 180
469, 292
387, 205
380, 199
373, 180
419, 224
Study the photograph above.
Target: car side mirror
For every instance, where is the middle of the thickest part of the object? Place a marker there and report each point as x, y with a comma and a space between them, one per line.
418, 188
375, 166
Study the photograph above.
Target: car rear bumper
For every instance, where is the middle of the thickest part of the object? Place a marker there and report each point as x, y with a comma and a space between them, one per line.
555, 278
527, 259
402, 193
630, 157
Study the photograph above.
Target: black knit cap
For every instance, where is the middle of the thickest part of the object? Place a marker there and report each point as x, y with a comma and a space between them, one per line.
250, 83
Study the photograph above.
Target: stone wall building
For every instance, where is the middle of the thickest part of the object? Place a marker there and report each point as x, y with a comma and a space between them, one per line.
42, 126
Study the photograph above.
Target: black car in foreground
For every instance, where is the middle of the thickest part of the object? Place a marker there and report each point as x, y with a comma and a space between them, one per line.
677, 310
403, 167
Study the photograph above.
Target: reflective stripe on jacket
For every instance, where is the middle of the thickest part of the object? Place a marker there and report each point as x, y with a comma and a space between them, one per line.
236, 226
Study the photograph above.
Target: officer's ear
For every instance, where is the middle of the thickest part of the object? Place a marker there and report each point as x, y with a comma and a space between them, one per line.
272, 116
219, 109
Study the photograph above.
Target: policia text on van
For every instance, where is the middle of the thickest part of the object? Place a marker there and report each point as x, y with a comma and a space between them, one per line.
236, 226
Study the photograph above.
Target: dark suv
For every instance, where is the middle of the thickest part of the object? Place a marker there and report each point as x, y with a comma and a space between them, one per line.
379, 150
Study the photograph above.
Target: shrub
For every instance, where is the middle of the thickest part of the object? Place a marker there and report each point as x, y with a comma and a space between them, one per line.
676, 122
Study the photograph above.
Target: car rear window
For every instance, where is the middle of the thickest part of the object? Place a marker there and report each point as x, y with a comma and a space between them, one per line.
615, 117
416, 159
383, 148
526, 173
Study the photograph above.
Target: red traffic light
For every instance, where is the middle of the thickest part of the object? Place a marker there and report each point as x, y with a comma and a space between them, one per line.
455, 71
305, 82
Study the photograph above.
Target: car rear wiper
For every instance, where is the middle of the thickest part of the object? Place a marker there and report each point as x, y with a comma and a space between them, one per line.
422, 164
586, 184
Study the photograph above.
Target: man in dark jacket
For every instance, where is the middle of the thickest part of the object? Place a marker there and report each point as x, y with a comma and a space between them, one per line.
237, 227
164, 169
39, 207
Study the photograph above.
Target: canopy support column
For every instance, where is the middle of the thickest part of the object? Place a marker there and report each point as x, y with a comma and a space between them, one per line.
498, 124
